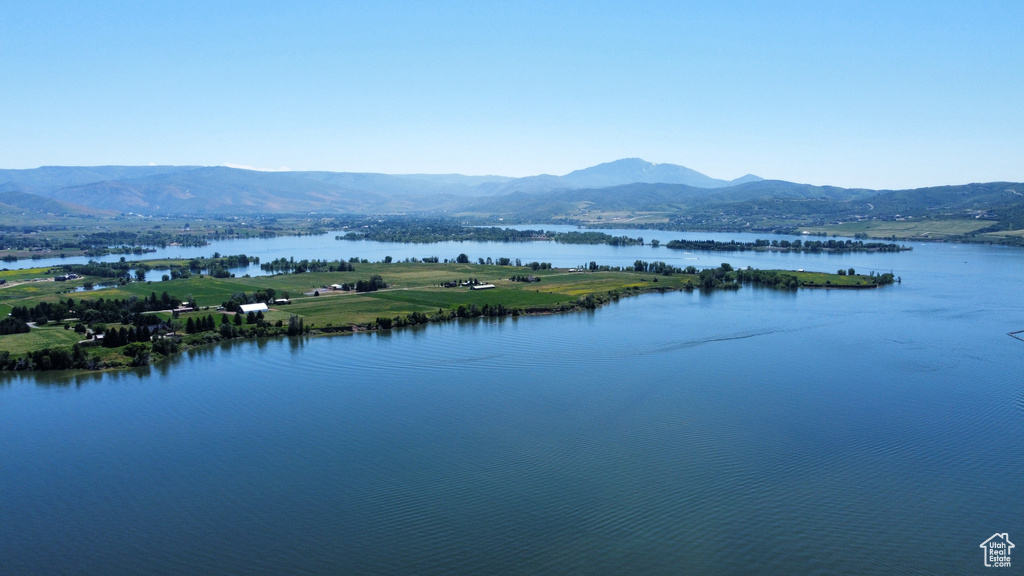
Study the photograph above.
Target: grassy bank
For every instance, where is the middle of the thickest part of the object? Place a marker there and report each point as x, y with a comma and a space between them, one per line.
415, 293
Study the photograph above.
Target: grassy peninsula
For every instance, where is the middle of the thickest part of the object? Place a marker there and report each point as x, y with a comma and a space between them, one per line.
49, 324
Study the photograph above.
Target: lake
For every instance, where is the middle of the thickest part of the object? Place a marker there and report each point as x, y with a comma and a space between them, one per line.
325, 246
748, 432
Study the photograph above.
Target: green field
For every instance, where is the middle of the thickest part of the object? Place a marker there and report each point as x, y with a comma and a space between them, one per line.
919, 229
621, 217
43, 337
818, 279
1005, 233
411, 288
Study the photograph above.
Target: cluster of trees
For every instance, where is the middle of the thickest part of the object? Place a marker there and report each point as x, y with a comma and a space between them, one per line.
770, 278
372, 285
850, 246
262, 295
120, 269
499, 261
718, 278
489, 310
11, 325
429, 230
93, 244
459, 282
463, 311
777, 279
413, 319
658, 268
593, 301
217, 266
415, 260
595, 238
141, 238
883, 279
236, 260
134, 340
139, 341
114, 241
832, 245
291, 266
115, 338
138, 353
238, 325
121, 311
201, 324
525, 279
296, 326
135, 250
48, 359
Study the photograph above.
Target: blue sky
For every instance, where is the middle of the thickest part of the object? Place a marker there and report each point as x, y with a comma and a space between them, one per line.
859, 94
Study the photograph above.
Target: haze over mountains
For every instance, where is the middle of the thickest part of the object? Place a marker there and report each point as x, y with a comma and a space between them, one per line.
197, 189
623, 185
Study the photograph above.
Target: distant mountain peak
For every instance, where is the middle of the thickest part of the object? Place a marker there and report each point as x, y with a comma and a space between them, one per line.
638, 170
746, 178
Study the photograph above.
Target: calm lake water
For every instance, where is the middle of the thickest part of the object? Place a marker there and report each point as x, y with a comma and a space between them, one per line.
748, 432
564, 255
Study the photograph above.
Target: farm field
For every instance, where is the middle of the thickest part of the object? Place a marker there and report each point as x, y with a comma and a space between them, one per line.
412, 290
921, 229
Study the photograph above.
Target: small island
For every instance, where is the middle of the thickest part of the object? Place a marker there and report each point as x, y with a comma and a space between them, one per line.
412, 230
57, 319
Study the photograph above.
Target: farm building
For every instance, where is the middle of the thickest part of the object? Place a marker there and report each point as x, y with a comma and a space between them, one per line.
246, 308
482, 287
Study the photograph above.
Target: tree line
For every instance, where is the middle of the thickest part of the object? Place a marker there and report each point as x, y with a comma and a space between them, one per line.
429, 230
88, 311
831, 245
291, 266
122, 270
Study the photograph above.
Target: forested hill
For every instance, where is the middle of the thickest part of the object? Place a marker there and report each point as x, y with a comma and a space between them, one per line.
161, 184
618, 190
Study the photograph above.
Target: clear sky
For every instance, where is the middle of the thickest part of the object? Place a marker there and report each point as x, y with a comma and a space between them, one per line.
880, 94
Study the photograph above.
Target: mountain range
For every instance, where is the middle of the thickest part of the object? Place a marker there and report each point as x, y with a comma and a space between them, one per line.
623, 185
197, 189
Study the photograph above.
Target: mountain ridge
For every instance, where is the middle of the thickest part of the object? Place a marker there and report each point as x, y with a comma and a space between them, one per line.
625, 185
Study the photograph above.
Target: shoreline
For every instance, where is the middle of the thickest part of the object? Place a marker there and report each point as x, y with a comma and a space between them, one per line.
39, 337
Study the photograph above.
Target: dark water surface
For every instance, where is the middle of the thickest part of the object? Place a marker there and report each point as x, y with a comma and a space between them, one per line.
749, 432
